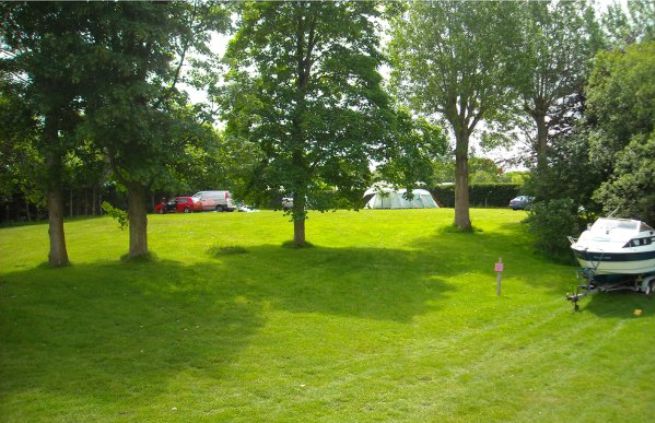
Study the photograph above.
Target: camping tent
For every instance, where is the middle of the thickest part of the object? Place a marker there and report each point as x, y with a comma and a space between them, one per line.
389, 198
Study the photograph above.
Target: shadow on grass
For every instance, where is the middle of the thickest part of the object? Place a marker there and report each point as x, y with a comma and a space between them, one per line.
115, 327
129, 328
373, 283
619, 305
476, 252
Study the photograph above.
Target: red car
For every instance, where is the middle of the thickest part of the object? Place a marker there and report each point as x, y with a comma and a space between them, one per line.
179, 205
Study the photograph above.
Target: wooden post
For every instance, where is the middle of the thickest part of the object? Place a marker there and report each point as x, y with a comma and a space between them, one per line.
499, 275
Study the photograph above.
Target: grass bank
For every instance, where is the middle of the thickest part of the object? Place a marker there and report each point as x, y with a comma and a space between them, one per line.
390, 317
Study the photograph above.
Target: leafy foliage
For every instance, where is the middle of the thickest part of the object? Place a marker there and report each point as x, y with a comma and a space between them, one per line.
303, 87
551, 222
482, 170
621, 98
457, 59
560, 40
625, 27
120, 216
631, 189
21, 164
411, 152
569, 172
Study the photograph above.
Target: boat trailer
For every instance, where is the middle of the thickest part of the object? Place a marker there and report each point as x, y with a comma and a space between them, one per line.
607, 283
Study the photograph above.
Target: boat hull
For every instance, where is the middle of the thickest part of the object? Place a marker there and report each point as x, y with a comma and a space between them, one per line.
605, 263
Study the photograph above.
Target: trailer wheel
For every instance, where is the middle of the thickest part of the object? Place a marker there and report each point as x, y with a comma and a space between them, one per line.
650, 288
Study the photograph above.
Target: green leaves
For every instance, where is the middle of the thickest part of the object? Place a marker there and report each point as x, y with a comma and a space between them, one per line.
410, 153
453, 57
560, 39
303, 87
631, 188
621, 114
135, 112
635, 23
457, 60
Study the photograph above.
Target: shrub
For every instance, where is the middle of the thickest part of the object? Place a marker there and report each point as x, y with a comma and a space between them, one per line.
551, 222
482, 195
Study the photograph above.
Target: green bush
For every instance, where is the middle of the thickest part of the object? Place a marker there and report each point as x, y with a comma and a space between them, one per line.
551, 222
482, 195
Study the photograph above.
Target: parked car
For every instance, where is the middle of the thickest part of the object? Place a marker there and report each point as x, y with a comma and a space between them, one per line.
165, 206
178, 204
186, 205
242, 207
215, 200
287, 203
522, 202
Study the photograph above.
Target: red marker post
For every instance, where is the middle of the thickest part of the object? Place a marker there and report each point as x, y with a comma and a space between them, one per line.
498, 268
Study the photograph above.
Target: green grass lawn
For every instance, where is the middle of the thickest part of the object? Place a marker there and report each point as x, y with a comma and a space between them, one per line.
391, 317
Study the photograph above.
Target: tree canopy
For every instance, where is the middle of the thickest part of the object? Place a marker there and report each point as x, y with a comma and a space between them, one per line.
304, 87
100, 78
560, 40
44, 77
636, 24
621, 100
135, 112
458, 60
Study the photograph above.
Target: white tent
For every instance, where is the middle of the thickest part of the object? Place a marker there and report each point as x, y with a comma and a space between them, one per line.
389, 198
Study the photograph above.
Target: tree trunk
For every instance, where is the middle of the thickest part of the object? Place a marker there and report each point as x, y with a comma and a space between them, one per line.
462, 217
542, 139
28, 213
70, 203
94, 195
299, 232
138, 219
299, 215
58, 256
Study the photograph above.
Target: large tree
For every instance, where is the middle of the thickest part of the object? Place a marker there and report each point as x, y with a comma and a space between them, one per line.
560, 39
458, 60
42, 44
621, 112
134, 110
305, 89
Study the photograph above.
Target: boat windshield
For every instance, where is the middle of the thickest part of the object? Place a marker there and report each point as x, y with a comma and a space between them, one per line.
607, 225
645, 228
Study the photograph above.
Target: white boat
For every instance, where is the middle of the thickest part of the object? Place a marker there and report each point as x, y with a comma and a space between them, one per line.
616, 247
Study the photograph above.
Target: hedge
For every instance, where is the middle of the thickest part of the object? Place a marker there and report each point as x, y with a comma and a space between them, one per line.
487, 195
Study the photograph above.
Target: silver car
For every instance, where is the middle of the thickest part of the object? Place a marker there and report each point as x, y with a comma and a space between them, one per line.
522, 202
287, 203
